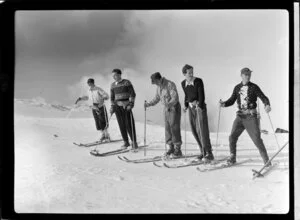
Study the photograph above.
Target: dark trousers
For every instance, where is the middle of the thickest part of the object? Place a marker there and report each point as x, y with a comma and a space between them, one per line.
100, 116
172, 125
251, 124
200, 130
126, 123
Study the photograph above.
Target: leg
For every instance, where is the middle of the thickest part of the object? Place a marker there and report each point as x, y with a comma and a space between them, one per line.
102, 118
175, 117
168, 134
121, 121
194, 128
236, 131
96, 117
204, 131
251, 124
130, 125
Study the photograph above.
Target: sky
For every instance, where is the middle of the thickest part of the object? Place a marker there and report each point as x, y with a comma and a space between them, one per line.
57, 51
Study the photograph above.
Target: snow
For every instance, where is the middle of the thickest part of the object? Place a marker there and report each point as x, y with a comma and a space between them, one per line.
52, 175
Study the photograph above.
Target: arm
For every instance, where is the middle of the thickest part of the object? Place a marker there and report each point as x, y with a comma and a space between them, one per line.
102, 93
173, 94
262, 96
186, 104
83, 98
155, 100
112, 95
132, 94
201, 95
232, 99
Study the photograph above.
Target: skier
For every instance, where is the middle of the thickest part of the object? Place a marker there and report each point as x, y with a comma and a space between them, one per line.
195, 101
167, 93
122, 102
96, 96
246, 94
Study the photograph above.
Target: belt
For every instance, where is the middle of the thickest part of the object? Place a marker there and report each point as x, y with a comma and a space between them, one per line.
122, 103
247, 112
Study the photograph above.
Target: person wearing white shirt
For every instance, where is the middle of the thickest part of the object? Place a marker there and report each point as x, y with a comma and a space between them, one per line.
97, 96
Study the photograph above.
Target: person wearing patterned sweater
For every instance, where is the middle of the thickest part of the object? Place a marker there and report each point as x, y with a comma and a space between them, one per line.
122, 101
167, 93
246, 94
194, 101
96, 96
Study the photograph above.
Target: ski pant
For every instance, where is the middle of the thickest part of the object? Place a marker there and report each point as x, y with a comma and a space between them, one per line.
199, 126
100, 116
172, 125
126, 123
251, 124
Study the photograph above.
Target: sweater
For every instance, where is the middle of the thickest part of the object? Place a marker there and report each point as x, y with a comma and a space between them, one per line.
194, 92
122, 91
246, 96
166, 93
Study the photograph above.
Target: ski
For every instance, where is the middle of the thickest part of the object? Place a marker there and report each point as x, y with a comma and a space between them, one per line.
267, 171
151, 159
221, 166
114, 152
192, 163
96, 143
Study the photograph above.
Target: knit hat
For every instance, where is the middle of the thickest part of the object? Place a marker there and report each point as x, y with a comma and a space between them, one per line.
186, 67
155, 76
245, 70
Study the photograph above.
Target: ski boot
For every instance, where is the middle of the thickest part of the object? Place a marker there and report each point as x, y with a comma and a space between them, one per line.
134, 147
231, 160
169, 152
208, 157
177, 152
125, 146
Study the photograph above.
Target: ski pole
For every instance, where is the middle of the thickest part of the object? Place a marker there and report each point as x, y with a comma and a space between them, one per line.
218, 129
185, 135
201, 138
133, 139
145, 123
274, 131
258, 173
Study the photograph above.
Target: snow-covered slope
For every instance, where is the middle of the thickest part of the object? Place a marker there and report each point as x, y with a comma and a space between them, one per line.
52, 175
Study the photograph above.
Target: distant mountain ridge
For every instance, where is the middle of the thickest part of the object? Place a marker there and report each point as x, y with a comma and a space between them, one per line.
40, 102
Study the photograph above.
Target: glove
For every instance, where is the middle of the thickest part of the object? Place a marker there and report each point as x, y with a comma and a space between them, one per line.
112, 109
77, 100
221, 103
185, 109
195, 103
267, 108
146, 105
129, 106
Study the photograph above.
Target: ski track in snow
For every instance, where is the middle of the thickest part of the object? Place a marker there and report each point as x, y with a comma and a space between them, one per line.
54, 176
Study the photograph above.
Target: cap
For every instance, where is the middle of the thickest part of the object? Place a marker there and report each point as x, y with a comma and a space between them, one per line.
246, 70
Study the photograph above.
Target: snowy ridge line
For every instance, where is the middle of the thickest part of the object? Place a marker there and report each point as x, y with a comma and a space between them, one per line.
114, 152
193, 163
152, 159
221, 166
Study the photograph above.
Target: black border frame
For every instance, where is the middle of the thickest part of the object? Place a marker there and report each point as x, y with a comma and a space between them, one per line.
7, 61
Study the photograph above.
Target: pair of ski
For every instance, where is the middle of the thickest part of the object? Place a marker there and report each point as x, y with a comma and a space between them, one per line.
152, 159
95, 143
115, 152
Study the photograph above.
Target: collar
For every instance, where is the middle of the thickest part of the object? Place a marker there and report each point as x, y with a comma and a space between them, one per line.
247, 84
119, 82
91, 89
189, 83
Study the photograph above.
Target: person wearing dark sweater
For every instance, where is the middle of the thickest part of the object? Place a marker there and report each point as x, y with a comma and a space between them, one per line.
246, 94
194, 101
122, 97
